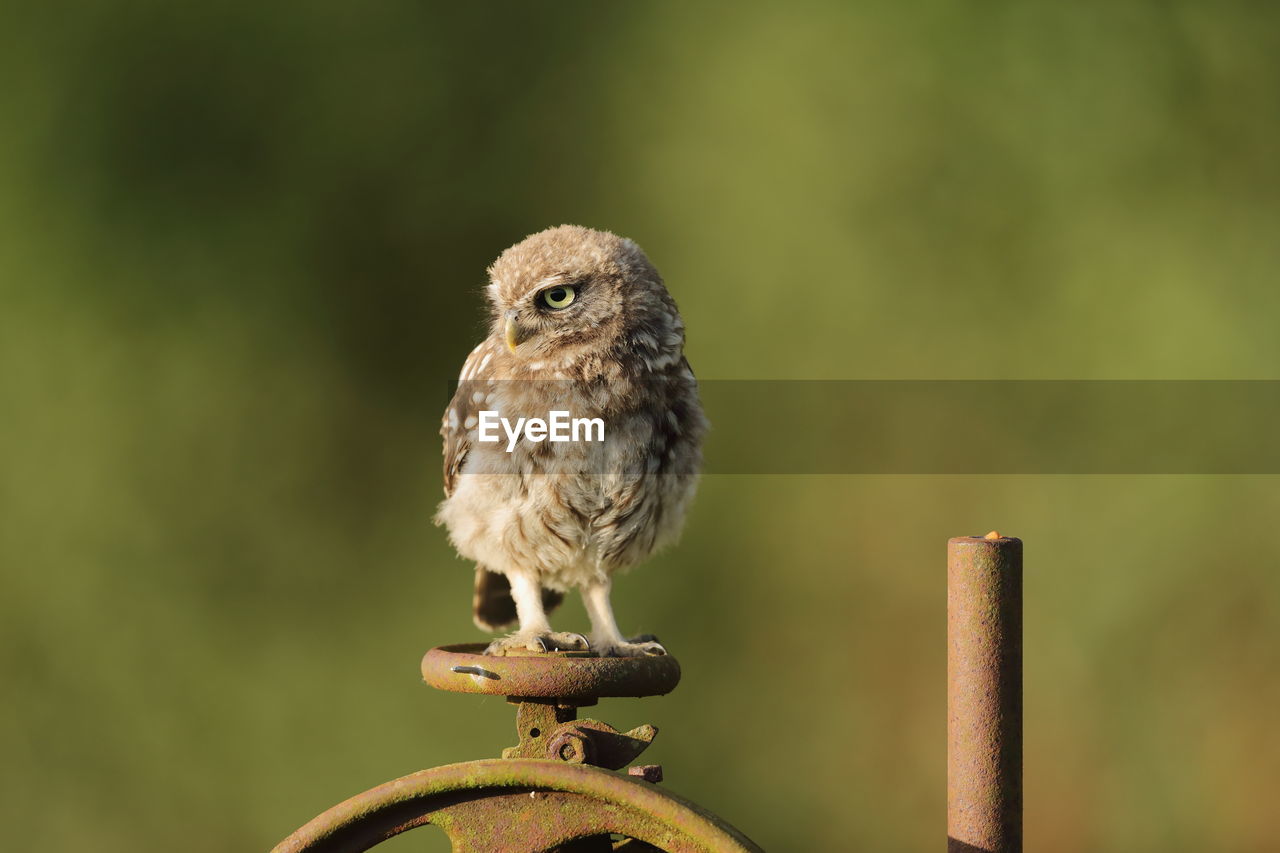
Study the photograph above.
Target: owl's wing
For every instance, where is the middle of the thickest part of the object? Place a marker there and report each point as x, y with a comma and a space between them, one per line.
459, 417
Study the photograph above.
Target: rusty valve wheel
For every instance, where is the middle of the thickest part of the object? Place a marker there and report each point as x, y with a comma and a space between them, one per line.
558, 789
562, 676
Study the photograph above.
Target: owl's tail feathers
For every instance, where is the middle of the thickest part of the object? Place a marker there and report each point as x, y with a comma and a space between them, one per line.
493, 608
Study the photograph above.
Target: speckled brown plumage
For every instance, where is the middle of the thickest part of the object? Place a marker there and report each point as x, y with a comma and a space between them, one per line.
582, 322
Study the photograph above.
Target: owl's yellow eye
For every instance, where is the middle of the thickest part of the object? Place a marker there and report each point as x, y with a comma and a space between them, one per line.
556, 298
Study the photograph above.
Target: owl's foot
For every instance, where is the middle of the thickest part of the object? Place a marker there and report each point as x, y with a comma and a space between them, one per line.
646, 645
541, 641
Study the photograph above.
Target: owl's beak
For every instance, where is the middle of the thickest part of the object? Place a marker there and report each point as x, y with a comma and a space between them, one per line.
513, 332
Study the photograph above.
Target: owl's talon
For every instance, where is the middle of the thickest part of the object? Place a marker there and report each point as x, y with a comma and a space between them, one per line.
645, 645
549, 641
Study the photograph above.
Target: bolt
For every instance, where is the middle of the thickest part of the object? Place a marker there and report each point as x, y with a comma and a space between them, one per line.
647, 772
570, 747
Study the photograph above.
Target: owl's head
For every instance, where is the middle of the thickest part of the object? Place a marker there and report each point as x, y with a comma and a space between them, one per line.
571, 293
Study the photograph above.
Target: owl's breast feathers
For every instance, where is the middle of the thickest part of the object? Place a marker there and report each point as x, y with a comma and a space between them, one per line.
556, 506
652, 415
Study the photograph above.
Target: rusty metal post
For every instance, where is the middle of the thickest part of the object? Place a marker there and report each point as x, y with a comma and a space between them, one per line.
984, 694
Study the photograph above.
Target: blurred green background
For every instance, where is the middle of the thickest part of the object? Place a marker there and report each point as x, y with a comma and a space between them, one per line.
241, 252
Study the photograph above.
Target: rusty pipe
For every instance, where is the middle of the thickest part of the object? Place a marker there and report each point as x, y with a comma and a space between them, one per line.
984, 694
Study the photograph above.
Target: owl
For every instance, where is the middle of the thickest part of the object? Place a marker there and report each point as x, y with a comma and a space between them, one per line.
581, 325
